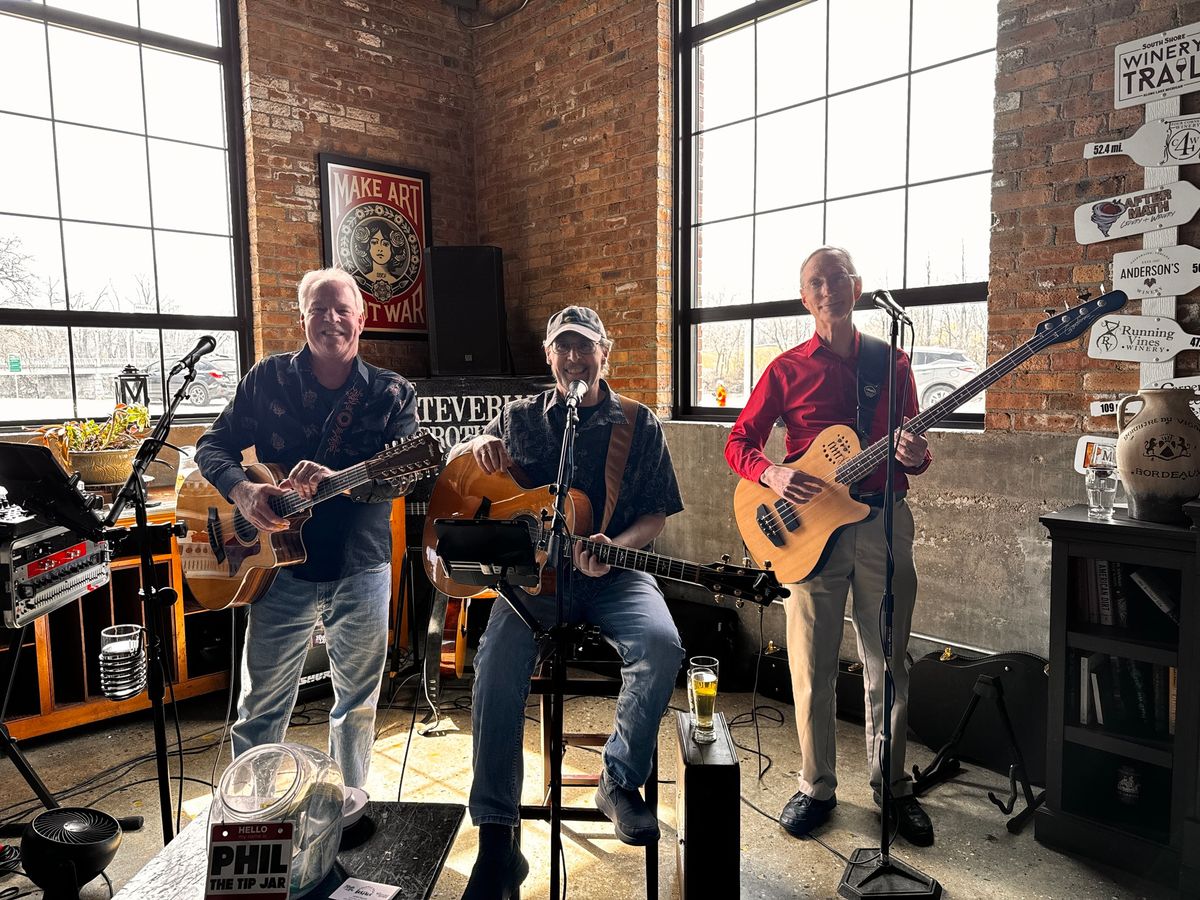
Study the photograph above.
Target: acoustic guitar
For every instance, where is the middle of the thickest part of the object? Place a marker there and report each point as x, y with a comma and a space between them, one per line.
229, 562
797, 537
464, 491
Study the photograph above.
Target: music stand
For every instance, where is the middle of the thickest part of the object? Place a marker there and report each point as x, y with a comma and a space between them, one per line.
500, 554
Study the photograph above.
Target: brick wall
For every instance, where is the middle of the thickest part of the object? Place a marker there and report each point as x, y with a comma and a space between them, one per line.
1054, 93
388, 82
573, 121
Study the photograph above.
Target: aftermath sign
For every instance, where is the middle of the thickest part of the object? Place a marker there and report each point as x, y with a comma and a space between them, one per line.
1136, 213
1152, 68
375, 221
249, 861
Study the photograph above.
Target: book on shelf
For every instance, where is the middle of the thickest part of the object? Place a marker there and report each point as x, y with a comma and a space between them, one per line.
1104, 597
1091, 709
1162, 589
1099, 687
1172, 686
1161, 715
1120, 598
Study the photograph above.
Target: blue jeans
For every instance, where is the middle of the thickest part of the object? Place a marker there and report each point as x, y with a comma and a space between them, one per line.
354, 612
632, 615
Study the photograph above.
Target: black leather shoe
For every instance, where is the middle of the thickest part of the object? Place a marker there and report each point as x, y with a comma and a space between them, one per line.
804, 813
499, 868
911, 821
635, 822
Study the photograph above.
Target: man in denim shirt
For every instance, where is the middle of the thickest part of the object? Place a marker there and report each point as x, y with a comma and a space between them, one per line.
627, 605
314, 412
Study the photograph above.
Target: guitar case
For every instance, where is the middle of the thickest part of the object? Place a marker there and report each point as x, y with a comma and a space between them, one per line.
940, 690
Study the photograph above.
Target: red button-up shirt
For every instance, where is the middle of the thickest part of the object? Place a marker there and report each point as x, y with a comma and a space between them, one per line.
811, 388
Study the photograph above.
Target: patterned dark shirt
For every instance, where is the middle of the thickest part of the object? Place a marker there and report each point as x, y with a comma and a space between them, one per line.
282, 411
532, 430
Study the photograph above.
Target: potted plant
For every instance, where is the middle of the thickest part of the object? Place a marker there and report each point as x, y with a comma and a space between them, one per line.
101, 452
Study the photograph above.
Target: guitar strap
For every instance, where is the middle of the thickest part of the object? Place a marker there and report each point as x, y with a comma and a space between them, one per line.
872, 374
619, 442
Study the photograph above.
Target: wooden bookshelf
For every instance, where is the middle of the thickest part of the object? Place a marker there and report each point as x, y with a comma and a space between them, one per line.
1121, 770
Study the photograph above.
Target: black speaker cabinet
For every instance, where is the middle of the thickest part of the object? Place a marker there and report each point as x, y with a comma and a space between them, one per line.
709, 813
467, 325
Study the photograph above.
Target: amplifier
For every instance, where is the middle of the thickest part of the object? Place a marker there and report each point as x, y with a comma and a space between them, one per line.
44, 569
709, 813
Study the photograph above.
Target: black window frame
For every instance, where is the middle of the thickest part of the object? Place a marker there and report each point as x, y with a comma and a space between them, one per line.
688, 36
228, 56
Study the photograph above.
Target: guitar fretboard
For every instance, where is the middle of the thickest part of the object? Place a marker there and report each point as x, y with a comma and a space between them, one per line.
862, 464
643, 561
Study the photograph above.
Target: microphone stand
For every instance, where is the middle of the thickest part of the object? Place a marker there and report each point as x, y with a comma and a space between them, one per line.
871, 871
154, 599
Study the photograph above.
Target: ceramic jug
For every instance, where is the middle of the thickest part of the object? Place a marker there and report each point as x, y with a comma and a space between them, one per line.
1158, 454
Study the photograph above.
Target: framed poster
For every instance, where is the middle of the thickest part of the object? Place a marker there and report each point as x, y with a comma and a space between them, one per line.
376, 224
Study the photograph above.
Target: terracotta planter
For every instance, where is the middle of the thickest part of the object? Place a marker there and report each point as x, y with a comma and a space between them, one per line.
100, 467
1158, 454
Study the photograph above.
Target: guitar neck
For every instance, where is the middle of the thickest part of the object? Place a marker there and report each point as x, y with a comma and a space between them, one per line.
347, 479
862, 464
642, 561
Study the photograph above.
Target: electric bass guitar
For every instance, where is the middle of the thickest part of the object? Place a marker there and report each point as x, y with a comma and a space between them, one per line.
464, 491
229, 562
797, 537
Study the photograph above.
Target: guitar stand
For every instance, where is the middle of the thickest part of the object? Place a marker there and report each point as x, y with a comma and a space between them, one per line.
946, 765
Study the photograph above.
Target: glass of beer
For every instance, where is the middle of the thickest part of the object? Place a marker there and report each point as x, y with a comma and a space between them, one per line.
702, 696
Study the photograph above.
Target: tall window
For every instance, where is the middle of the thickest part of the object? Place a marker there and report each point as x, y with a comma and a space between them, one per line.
866, 124
120, 222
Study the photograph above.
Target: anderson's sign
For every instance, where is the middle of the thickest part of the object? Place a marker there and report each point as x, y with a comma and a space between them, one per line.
1160, 272
1162, 65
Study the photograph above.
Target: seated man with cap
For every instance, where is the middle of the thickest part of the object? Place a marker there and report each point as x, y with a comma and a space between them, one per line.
626, 605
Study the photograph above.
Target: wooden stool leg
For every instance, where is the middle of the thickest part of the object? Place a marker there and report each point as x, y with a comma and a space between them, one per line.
652, 849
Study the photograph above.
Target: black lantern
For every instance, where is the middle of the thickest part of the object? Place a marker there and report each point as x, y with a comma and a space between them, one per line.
133, 387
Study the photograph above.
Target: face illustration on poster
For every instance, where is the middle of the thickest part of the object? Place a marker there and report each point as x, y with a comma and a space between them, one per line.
380, 253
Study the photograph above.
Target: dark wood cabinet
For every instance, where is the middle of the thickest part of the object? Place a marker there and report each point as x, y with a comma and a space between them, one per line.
1124, 712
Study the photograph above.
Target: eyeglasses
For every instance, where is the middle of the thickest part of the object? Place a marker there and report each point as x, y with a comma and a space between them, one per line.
582, 347
834, 282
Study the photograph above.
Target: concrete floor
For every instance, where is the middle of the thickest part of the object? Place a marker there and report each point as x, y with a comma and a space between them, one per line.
974, 855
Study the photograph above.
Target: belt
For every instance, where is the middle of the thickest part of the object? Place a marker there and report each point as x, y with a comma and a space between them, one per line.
875, 498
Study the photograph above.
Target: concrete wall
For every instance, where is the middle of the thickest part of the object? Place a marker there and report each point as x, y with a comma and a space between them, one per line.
982, 556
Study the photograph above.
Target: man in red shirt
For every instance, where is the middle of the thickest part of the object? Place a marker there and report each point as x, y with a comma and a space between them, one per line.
811, 387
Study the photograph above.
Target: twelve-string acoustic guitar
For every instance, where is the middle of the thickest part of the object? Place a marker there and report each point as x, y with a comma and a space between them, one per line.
796, 537
464, 491
229, 562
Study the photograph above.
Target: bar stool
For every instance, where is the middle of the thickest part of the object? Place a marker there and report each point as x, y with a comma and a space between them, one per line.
592, 684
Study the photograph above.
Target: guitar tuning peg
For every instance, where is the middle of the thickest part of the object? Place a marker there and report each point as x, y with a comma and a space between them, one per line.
724, 557
746, 561
718, 597
739, 603
766, 564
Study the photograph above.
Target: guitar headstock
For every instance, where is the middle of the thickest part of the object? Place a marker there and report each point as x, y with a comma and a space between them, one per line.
1071, 323
742, 583
408, 459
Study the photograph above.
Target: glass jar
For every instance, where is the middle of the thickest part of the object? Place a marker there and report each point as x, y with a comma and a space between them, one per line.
287, 783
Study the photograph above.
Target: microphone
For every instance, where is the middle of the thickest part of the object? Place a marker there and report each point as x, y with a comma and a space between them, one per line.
883, 300
204, 346
123, 661
575, 392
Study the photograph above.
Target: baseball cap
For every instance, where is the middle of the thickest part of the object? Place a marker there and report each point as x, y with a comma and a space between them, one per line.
579, 319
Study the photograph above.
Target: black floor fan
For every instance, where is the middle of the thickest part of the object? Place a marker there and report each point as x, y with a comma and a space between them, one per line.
63, 849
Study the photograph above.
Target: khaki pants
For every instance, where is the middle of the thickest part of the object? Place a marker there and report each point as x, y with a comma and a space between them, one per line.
815, 614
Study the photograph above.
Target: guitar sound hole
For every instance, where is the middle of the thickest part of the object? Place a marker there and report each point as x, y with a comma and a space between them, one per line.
246, 532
